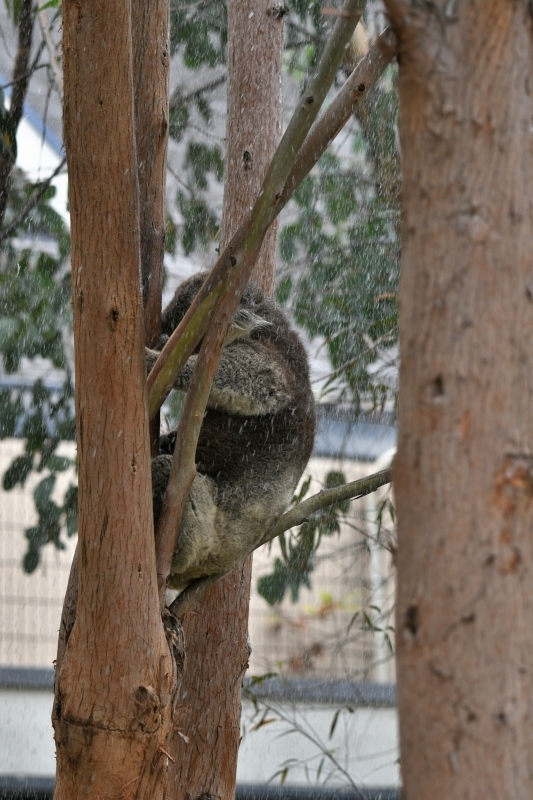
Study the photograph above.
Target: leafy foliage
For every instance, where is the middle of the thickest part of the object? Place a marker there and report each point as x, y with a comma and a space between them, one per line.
199, 36
342, 257
200, 30
341, 254
35, 318
298, 549
13, 7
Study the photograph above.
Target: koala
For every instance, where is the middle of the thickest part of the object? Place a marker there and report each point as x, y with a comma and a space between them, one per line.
256, 436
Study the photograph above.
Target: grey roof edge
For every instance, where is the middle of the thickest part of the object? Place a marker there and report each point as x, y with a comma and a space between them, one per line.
27, 678
358, 694
24, 787
251, 791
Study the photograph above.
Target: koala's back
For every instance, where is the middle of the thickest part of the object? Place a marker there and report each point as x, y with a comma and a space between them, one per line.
254, 447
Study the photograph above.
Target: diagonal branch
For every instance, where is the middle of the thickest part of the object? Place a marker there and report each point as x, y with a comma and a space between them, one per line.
32, 202
354, 90
55, 62
293, 517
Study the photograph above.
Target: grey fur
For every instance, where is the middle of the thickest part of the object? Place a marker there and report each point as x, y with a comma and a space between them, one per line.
256, 436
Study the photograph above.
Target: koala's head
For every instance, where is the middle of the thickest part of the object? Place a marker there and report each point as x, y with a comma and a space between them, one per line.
251, 314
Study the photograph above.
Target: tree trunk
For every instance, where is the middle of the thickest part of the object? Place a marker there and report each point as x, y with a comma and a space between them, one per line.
216, 628
464, 469
116, 681
151, 62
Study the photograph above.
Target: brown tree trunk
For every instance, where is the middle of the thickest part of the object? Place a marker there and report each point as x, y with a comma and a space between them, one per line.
116, 680
151, 62
464, 469
216, 629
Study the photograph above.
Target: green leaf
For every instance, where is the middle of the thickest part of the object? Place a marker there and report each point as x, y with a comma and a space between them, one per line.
11, 412
334, 722
42, 493
30, 562
272, 587
8, 329
17, 472
58, 463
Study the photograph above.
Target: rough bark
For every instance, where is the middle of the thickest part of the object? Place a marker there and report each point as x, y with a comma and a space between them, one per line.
463, 474
116, 680
216, 628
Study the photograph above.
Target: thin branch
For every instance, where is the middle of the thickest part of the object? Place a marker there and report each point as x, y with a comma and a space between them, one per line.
32, 202
364, 76
206, 133
293, 517
54, 59
29, 73
18, 95
178, 99
327, 497
311, 735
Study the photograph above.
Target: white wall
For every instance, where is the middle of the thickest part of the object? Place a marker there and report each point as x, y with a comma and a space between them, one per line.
364, 743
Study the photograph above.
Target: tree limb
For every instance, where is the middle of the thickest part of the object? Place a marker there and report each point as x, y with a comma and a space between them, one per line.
290, 519
354, 90
55, 63
21, 78
327, 497
32, 202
